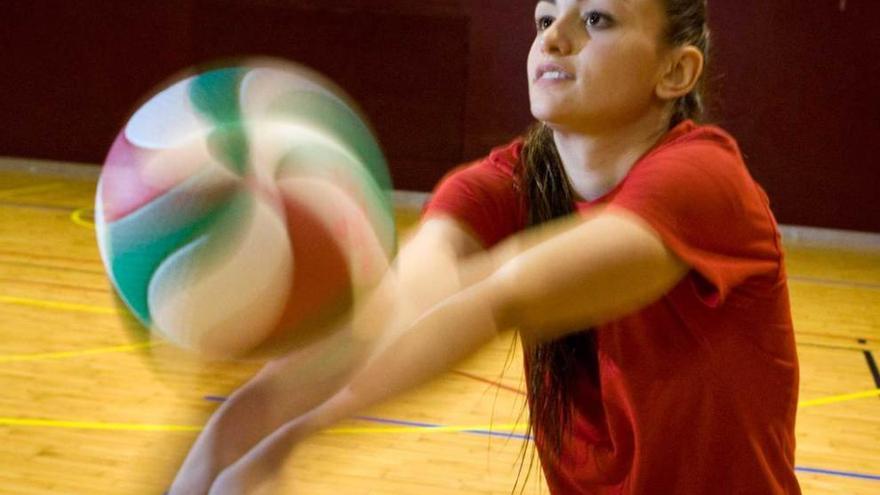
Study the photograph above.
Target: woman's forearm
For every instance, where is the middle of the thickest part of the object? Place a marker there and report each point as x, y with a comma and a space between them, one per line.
445, 334
420, 326
442, 336
425, 272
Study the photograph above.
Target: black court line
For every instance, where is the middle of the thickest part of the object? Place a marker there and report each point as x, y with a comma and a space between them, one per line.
837, 347
834, 283
52, 267
48, 256
860, 344
43, 283
31, 206
872, 364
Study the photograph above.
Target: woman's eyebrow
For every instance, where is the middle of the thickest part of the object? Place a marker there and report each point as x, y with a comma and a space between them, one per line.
623, 2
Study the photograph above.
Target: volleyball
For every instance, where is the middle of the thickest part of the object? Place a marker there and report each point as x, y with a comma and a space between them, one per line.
244, 208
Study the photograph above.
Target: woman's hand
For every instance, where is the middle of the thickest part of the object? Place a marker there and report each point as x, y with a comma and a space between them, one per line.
244, 478
256, 473
283, 390
196, 475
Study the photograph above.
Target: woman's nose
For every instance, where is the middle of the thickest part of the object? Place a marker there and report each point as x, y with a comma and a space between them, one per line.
554, 41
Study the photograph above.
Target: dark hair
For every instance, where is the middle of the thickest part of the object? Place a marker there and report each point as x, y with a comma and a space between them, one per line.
548, 194
688, 25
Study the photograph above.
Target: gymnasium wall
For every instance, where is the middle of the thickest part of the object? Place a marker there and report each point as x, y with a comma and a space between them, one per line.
444, 80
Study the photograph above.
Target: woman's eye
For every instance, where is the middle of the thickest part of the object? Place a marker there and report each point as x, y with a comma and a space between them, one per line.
595, 19
543, 22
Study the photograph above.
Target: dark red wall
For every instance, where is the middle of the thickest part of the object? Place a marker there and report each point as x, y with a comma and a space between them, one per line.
800, 88
444, 80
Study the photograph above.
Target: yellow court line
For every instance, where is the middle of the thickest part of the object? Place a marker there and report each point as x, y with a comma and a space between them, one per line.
76, 217
500, 428
65, 306
16, 191
839, 398
94, 425
124, 348
45, 356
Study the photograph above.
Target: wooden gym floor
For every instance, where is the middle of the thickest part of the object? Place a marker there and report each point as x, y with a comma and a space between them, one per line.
90, 406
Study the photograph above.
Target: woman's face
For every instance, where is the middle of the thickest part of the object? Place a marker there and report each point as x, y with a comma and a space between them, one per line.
595, 64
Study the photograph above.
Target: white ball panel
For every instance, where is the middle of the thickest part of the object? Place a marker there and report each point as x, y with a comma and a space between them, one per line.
228, 304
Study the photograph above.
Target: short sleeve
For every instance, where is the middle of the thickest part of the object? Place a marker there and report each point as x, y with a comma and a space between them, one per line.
482, 196
697, 194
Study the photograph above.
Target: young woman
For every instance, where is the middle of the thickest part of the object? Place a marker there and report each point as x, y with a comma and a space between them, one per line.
630, 248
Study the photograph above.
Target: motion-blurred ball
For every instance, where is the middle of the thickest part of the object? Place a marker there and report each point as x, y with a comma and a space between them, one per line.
244, 208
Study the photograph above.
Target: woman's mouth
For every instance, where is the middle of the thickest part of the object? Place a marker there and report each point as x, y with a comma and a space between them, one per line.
553, 72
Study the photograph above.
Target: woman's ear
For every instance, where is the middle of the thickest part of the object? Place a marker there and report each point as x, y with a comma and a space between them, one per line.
682, 73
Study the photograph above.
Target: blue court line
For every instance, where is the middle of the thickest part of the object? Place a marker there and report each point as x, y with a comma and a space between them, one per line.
398, 422
842, 474
803, 469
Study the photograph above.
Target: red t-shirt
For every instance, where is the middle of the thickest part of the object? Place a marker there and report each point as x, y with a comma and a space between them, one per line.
698, 390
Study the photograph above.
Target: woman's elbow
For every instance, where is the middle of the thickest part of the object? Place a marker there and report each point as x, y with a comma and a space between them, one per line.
516, 298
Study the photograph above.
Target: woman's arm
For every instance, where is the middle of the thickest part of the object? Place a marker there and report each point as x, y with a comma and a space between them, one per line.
590, 271
424, 274
576, 273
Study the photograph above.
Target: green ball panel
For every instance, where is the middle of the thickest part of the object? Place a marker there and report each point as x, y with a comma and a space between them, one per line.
331, 115
138, 243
